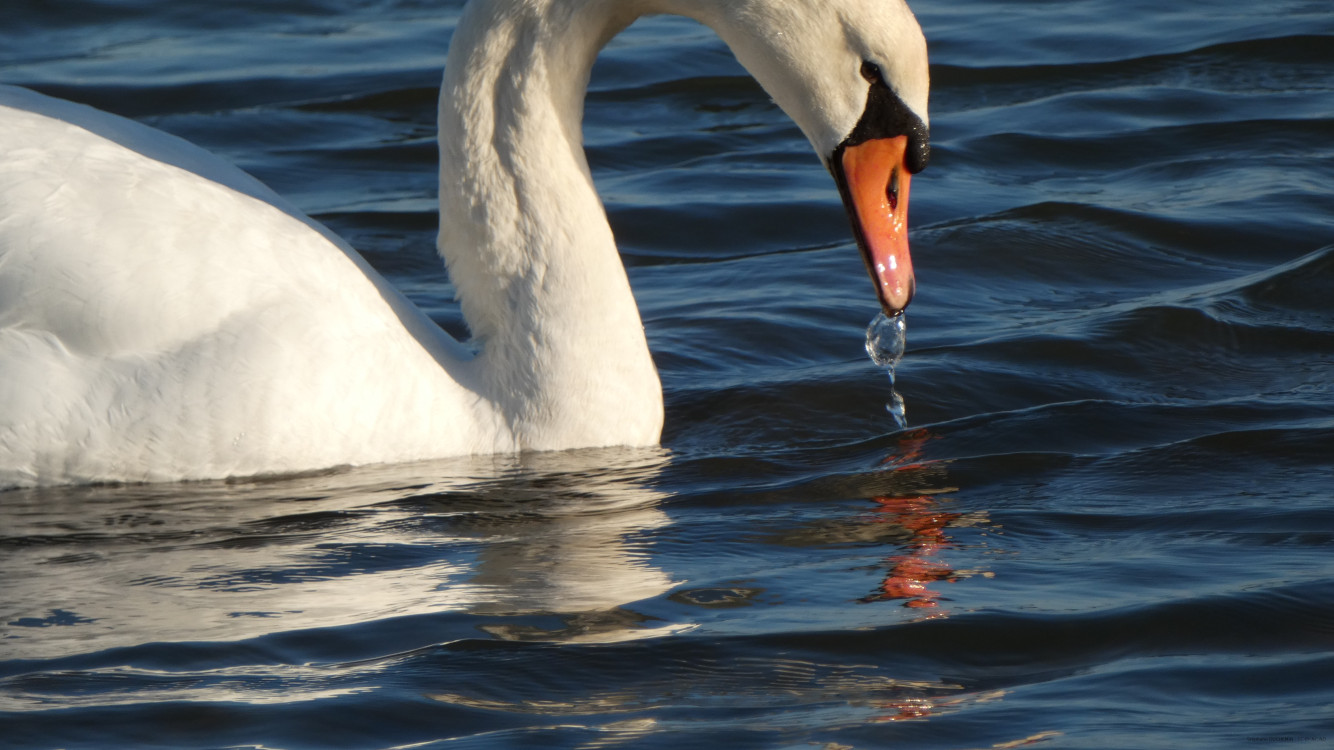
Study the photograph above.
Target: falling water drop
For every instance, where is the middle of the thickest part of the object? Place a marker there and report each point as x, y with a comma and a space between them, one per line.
886, 338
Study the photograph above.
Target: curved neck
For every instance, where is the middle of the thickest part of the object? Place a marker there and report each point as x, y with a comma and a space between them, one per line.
524, 235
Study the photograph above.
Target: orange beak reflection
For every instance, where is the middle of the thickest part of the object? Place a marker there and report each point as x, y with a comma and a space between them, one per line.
876, 193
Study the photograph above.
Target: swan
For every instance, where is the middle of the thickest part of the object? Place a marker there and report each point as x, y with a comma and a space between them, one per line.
164, 316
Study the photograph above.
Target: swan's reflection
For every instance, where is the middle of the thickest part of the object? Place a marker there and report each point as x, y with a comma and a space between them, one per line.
554, 537
912, 571
918, 511
912, 513
916, 508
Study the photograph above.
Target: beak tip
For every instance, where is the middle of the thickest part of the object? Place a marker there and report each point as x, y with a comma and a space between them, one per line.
895, 301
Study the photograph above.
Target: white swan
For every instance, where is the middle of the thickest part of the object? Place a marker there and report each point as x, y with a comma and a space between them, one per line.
164, 316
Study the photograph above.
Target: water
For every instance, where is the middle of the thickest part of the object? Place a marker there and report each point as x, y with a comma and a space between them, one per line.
1108, 525
886, 340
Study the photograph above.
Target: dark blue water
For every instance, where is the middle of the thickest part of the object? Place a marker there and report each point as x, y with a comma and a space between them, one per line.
1110, 523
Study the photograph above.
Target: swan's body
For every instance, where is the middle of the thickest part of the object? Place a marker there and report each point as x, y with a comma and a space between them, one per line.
165, 316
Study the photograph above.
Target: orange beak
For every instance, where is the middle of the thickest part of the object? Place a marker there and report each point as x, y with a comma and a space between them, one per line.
874, 180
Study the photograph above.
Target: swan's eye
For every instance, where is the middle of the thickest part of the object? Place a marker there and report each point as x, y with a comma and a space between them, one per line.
892, 190
871, 72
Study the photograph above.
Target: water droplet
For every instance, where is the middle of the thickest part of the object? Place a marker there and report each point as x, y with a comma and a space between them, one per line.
886, 338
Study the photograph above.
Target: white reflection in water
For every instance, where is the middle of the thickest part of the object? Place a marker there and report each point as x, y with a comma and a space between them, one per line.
90, 569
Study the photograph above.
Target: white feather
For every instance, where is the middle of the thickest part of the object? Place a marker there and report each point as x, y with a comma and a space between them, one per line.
165, 316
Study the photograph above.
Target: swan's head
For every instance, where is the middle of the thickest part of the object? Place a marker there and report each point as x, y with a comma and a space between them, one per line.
853, 75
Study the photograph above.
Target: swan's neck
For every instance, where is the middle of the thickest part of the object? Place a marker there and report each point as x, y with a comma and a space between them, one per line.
524, 235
